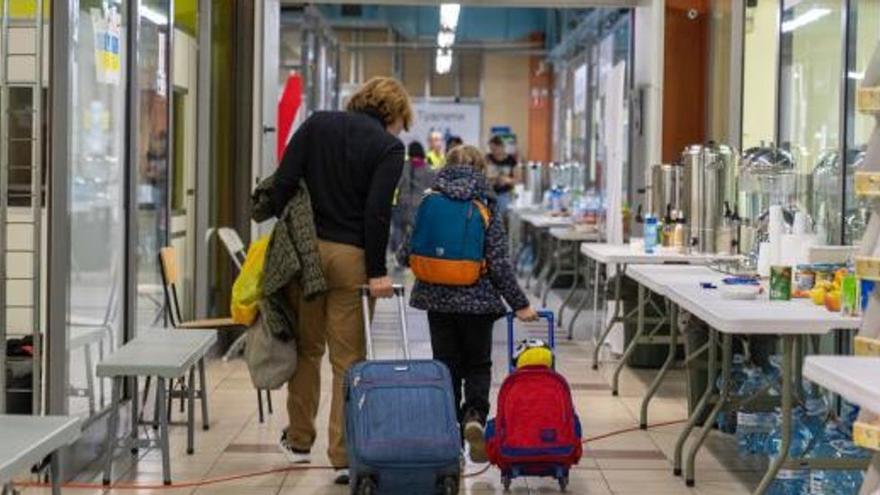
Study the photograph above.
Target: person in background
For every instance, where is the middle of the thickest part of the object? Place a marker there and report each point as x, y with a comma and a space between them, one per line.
501, 172
452, 142
351, 162
435, 156
415, 181
461, 318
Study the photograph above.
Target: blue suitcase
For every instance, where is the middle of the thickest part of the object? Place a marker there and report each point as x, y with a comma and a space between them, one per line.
401, 430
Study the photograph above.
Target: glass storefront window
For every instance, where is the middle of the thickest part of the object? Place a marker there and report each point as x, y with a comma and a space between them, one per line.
809, 106
97, 185
151, 172
865, 22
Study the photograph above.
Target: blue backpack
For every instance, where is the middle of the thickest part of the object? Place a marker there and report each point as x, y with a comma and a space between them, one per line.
447, 242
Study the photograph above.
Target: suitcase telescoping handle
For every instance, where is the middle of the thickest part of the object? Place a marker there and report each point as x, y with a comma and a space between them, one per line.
399, 295
551, 336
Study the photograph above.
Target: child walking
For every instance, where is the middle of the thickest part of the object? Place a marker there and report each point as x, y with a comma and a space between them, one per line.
461, 317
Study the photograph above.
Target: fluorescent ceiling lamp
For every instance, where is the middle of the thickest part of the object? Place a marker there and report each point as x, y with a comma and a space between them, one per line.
153, 16
443, 62
449, 15
802, 20
858, 76
445, 38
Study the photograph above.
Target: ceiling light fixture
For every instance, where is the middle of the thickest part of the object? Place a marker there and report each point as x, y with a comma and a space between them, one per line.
802, 20
445, 38
153, 16
449, 15
443, 61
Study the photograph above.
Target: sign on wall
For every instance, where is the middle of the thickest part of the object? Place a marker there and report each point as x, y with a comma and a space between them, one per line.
451, 119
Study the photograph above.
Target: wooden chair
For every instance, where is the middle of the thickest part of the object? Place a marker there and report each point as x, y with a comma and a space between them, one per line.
169, 271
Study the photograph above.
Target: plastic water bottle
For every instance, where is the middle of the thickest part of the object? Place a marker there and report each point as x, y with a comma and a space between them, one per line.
815, 412
738, 377
773, 373
801, 435
832, 481
753, 430
650, 233
849, 415
790, 482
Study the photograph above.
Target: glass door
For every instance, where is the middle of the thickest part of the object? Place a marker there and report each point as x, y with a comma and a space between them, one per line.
151, 172
811, 61
96, 192
862, 41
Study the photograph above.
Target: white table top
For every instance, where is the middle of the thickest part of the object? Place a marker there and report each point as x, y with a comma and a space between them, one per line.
165, 353
546, 221
523, 210
26, 440
573, 234
853, 377
659, 278
624, 254
758, 316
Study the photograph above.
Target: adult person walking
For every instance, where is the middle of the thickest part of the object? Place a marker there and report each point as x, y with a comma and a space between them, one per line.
436, 157
502, 170
351, 162
416, 179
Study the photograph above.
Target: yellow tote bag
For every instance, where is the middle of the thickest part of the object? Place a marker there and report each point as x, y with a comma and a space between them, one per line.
248, 287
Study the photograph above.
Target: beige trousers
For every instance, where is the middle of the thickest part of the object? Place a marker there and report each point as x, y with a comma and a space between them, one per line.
335, 321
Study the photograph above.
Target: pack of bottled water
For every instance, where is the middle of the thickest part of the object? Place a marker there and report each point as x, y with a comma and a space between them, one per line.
760, 433
836, 445
791, 482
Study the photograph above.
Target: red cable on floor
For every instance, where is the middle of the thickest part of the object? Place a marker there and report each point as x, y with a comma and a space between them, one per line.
287, 469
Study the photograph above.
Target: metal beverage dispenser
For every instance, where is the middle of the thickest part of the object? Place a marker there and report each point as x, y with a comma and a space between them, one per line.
766, 177
535, 182
709, 172
665, 189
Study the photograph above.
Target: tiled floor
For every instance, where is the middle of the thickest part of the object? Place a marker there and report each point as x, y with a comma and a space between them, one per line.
635, 462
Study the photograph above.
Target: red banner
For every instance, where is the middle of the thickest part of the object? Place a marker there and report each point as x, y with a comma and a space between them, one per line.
288, 106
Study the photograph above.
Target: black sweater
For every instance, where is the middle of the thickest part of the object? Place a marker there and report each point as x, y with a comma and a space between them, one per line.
351, 166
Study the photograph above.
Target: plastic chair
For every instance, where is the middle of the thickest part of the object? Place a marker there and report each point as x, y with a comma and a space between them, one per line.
233, 244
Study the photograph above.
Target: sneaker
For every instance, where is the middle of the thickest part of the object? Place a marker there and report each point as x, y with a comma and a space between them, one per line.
342, 477
294, 456
474, 435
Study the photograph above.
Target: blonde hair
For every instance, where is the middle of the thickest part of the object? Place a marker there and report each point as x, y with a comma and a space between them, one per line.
384, 96
466, 154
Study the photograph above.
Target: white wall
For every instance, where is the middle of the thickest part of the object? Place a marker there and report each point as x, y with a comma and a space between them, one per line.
506, 96
759, 73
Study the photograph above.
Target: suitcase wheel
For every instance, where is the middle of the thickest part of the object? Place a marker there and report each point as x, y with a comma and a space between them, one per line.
563, 483
449, 485
366, 486
505, 481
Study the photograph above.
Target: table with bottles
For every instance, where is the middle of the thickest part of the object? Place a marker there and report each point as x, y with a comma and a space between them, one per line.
855, 378
565, 261
621, 256
538, 253
796, 446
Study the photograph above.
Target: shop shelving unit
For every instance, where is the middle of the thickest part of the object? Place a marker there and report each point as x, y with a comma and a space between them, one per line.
21, 200
866, 431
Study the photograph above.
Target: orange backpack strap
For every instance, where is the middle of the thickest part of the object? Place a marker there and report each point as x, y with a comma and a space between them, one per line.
486, 215
484, 212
